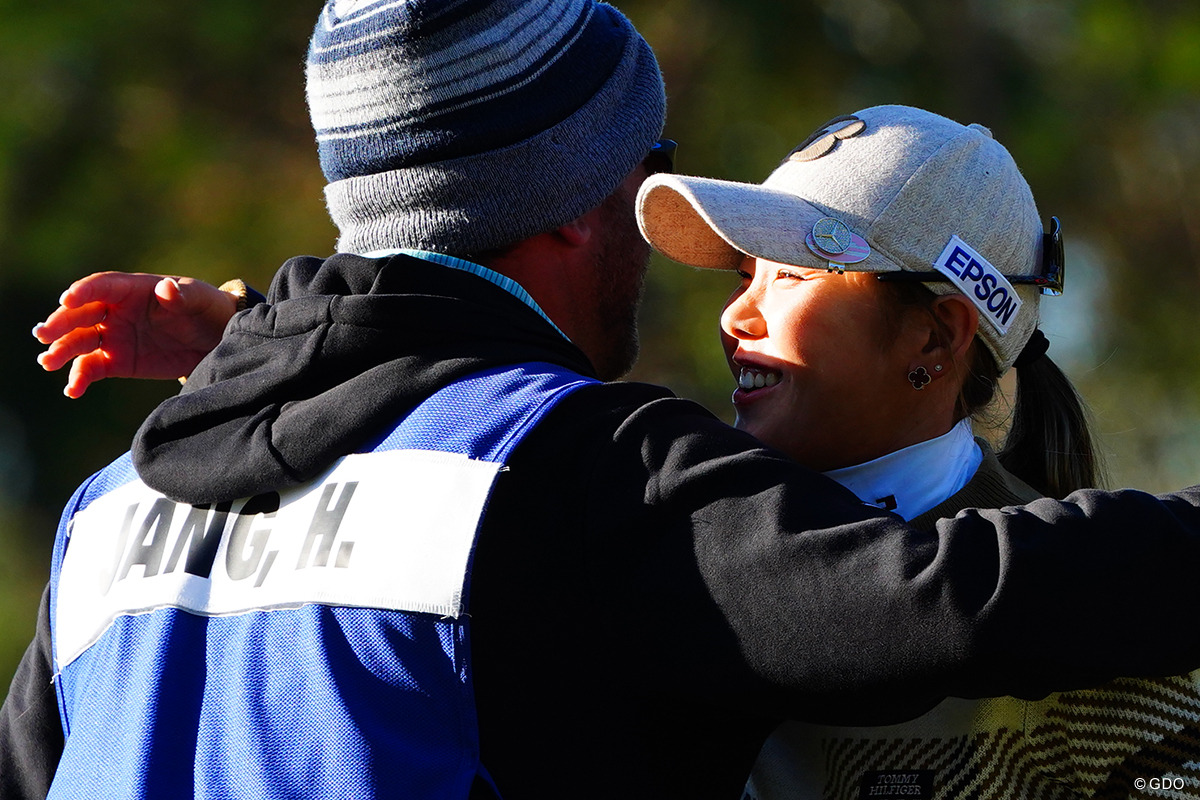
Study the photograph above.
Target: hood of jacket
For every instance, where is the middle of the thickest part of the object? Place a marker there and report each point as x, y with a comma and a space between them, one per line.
342, 348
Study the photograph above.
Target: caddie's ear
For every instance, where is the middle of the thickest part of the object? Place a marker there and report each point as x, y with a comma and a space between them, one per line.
578, 231
958, 321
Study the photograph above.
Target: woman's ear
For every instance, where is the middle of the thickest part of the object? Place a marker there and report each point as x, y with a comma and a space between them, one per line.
959, 320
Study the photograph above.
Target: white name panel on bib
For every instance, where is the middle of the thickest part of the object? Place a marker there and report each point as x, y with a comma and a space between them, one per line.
390, 530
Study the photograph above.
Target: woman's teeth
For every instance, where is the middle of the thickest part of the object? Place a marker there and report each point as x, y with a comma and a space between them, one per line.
756, 379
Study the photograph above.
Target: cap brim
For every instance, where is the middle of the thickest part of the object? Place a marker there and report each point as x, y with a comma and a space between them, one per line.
714, 224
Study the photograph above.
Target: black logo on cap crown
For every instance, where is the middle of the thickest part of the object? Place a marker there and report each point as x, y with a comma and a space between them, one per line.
826, 138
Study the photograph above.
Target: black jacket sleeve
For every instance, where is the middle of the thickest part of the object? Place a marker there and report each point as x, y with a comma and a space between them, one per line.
783, 590
31, 737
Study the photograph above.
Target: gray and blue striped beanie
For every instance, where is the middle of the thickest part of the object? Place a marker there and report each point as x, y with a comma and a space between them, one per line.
461, 126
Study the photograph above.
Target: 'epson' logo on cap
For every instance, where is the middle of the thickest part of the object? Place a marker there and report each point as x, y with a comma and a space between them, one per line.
975, 277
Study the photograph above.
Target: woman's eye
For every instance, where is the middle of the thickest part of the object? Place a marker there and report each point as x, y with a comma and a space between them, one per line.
744, 275
785, 274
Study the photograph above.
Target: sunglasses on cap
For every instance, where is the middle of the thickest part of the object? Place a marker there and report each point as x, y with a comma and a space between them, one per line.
1050, 281
661, 157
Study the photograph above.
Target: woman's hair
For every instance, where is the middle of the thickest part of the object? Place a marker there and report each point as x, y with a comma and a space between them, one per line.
1049, 444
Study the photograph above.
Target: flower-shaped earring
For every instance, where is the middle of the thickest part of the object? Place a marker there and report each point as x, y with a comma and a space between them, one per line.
918, 378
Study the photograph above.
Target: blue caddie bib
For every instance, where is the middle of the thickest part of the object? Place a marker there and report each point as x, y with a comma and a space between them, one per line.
311, 642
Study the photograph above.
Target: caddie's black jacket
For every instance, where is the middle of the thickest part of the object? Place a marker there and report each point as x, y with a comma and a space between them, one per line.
653, 590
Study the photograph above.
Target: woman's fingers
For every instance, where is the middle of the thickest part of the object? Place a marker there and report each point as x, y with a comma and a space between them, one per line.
64, 320
86, 370
72, 344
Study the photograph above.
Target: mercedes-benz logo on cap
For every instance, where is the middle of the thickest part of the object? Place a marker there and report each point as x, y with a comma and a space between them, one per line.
832, 235
832, 240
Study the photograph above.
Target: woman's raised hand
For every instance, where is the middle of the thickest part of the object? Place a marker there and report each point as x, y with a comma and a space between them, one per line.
133, 325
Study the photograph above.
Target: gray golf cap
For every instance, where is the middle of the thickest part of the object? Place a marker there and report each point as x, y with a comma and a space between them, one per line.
888, 189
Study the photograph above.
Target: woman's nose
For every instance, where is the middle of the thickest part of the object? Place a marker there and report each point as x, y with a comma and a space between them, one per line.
741, 318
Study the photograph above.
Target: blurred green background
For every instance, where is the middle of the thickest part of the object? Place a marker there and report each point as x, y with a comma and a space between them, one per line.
174, 138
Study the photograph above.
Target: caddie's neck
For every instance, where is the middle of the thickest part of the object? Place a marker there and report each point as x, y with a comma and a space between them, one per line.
587, 276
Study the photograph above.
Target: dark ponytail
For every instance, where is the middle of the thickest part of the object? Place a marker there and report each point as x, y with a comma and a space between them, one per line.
1049, 443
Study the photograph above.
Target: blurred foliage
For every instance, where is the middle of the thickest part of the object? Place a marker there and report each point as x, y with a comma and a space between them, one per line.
174, 139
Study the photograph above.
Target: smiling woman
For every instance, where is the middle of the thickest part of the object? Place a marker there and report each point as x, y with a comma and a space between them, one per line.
889, 272
816, 369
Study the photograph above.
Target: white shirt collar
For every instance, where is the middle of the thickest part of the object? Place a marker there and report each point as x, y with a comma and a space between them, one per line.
914, 479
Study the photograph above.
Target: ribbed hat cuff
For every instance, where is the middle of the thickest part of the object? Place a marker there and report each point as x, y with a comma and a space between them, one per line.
489, 200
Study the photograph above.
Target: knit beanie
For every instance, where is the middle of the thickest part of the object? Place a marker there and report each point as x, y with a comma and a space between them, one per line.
461, 126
